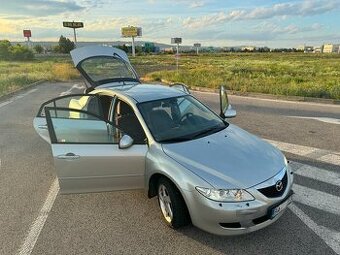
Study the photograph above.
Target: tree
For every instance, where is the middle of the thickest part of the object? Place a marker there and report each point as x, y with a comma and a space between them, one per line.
38, 48
65, 45
5, 46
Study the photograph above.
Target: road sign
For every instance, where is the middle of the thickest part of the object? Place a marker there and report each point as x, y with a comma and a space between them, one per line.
73, 24
197, 45
176, 40
131, 31
27, 33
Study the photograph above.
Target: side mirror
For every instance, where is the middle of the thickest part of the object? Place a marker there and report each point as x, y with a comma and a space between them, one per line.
125, 142
181, 87
227, 110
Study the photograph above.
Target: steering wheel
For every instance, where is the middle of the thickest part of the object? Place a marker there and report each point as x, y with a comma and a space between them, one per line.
187, 116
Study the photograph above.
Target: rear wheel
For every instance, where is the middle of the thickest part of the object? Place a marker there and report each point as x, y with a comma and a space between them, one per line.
172, 205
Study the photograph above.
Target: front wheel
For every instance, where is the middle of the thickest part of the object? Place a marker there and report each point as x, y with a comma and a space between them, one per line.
172, 205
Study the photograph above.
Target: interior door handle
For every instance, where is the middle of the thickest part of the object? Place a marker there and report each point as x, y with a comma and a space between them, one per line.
42, 126
70, 156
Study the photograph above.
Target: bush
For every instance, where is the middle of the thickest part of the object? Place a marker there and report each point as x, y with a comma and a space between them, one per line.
16, 52
19, 52
4, 49
38, 48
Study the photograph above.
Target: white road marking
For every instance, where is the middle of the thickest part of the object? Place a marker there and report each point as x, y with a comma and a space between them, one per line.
330, 157
34, 232
5, 103
300, 150
317, 199
35, 229
316, 173
17, 97
322, 119
330, 237
69, 91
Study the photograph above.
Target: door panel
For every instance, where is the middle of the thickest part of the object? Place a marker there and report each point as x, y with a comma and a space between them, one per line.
99, 167
87, 156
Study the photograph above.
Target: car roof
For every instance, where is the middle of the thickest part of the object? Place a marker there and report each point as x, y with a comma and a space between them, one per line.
147, 92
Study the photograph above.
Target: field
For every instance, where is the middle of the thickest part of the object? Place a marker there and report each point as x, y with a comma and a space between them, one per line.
293, 74
17, 74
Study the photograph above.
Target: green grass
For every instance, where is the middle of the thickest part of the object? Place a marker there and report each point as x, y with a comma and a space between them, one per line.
296, 74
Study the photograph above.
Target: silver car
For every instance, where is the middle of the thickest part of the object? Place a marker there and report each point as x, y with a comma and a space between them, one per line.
122, 134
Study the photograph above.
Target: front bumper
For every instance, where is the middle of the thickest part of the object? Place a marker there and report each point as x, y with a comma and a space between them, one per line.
236, 218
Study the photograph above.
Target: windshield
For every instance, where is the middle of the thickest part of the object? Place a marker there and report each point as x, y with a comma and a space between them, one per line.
179, 119
103, 69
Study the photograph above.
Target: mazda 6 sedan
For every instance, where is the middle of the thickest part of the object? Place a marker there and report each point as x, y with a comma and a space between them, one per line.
122, 134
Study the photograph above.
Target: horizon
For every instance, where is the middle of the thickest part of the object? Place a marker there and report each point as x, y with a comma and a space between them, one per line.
275, 24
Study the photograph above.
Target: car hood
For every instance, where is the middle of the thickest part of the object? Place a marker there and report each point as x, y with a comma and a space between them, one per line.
231, 158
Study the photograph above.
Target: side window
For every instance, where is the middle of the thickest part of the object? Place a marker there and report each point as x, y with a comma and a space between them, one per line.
77, 126
126, 120
96, 104
88, 102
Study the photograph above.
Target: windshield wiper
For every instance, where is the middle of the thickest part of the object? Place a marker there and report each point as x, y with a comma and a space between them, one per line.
208, 131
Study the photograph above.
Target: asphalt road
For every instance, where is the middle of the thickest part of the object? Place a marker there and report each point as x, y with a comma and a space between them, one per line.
129, 223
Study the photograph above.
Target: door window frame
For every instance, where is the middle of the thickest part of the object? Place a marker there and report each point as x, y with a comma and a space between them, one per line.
54, 100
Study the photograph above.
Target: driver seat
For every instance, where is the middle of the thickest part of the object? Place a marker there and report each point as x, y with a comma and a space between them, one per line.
160, 120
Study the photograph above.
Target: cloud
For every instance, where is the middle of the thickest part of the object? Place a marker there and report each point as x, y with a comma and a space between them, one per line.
271, 28
39, 7
196, 4
302, 8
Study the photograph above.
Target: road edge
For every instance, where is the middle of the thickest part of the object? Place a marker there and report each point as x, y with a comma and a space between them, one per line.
271, 96
21, 89
260, 95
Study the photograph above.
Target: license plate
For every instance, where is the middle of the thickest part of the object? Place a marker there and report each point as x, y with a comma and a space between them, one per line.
277, 209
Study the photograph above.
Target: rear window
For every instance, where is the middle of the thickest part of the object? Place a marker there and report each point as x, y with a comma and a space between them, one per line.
103, 68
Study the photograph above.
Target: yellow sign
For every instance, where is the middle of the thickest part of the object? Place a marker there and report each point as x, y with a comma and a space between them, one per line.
131, 31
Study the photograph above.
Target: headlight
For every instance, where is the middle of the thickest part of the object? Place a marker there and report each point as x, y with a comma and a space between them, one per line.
225, 195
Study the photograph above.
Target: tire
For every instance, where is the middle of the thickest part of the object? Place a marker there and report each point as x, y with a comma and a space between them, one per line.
171, 203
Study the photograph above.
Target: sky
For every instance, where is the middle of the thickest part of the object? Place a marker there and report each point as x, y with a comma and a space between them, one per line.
270, 23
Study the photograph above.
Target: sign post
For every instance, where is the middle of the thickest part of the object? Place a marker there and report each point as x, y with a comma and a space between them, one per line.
177, 41
74, 25
28, 34
197, 46
132, 32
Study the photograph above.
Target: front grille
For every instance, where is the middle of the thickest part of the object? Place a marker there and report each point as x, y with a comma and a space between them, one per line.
272, 192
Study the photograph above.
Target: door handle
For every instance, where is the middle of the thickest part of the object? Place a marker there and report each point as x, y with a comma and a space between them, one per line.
42, 126
69, 156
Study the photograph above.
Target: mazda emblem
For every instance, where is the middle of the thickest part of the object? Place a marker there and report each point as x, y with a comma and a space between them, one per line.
279, 185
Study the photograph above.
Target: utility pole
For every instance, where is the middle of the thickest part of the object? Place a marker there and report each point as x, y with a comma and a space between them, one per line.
177, 41
133, 47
